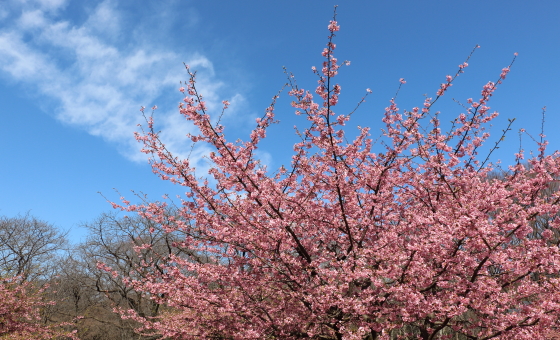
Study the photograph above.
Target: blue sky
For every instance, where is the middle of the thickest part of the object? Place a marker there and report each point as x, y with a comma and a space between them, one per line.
73, 75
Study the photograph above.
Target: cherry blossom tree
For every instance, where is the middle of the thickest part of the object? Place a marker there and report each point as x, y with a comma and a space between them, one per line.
20, 313
405, 236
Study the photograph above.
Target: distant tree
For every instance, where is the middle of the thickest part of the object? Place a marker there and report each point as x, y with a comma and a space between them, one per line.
28, 246
77, 302
411, 242
28, 250
133, 247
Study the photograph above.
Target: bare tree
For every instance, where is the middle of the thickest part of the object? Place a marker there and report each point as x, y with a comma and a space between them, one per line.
28, 246
79, 300
124, 244
86, 290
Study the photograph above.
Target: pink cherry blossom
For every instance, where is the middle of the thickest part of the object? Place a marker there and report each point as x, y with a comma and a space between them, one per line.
359, 237
20, 313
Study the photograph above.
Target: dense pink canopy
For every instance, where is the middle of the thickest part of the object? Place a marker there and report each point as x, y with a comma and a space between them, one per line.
403, 236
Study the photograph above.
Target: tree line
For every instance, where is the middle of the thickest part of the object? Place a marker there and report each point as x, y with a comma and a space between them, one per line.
68, 289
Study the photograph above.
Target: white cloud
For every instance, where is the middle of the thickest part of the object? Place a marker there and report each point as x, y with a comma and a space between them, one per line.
104, 19
4, 13
43, 5
51, 5
19, 60
32, 19
101, 84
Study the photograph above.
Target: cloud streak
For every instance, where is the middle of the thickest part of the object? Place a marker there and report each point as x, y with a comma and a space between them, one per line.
98, 81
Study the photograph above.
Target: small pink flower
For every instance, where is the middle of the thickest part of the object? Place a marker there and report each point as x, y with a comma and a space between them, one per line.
516, 54
182, 89
547, 234
154, 107
402, 81
333, 27
368, 90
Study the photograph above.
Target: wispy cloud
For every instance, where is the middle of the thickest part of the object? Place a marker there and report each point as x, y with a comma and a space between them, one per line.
98, 80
